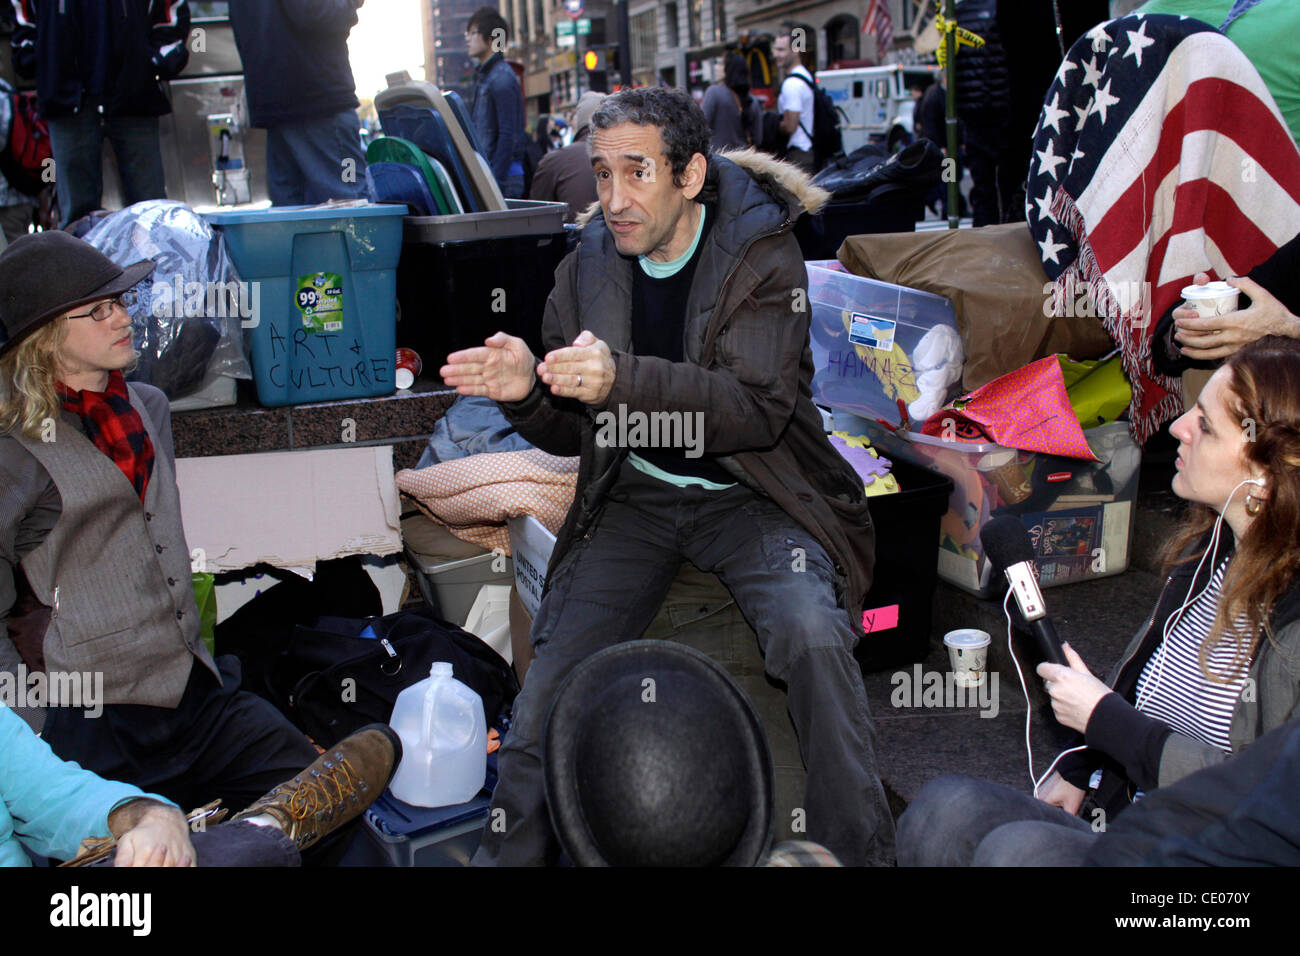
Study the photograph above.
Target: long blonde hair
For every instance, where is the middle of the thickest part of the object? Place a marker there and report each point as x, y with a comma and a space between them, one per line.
28, 397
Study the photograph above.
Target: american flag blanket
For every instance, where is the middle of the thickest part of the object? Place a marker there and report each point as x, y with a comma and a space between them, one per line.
1159, 154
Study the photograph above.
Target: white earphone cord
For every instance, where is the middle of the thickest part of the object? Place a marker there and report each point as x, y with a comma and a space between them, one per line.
1170, 623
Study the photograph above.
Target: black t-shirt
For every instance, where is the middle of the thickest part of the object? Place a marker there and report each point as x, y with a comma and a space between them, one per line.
658, 329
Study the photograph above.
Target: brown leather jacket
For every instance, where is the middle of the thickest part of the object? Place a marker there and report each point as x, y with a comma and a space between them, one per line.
748, 367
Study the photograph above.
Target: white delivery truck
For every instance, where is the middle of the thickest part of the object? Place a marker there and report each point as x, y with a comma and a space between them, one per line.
875, 103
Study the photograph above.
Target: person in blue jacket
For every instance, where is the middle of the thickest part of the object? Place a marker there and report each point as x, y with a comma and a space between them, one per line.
50, 806
497, 101
300, 90
100, 69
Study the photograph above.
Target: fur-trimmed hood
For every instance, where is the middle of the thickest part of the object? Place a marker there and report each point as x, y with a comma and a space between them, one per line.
784, 182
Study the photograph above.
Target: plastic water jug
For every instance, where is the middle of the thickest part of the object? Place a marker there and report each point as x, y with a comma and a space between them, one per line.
444, 741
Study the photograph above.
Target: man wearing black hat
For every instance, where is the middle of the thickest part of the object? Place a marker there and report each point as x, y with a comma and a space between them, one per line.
91, 534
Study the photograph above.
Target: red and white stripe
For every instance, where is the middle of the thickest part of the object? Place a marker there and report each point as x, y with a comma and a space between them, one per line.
878, 22
1204, 177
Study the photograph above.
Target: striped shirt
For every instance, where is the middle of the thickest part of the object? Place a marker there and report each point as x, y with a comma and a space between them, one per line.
1174, 689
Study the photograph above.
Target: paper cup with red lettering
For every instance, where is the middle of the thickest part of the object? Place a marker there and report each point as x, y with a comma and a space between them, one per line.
1211, 299
408, 367
968, 650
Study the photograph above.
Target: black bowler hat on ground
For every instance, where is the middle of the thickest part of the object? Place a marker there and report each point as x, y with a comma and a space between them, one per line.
44, 274
655, 757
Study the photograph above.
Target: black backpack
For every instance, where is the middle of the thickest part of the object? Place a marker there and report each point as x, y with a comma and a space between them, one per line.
825, 135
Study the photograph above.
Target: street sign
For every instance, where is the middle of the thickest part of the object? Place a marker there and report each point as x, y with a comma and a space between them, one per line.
573, 8
565, 28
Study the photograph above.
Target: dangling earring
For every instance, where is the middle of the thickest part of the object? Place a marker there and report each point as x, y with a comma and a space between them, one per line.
1253, 505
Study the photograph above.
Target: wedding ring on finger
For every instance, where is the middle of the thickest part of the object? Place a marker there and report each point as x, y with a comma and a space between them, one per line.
579, 380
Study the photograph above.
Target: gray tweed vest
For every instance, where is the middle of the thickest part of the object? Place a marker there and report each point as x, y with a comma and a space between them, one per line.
116, 575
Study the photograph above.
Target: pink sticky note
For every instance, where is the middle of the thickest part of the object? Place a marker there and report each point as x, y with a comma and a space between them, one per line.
880, 618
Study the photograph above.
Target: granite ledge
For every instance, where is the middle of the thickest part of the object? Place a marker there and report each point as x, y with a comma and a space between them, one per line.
404, 417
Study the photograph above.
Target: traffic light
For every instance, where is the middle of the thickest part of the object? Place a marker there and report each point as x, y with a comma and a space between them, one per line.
593, 61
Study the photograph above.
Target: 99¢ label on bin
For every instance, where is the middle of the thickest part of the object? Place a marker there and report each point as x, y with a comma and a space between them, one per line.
319, 299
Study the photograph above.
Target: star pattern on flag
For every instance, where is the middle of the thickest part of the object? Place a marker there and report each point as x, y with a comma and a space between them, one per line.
1081, 112
1044, 204
1103, 101
1066, 66
1052, 115
1051, 248
1137, 42
1099, 38
1091, 75
1049, 159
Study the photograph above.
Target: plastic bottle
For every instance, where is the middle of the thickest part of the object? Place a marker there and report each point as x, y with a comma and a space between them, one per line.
444, 741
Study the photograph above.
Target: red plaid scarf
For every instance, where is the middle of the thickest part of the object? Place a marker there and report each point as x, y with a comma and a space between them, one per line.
113, 424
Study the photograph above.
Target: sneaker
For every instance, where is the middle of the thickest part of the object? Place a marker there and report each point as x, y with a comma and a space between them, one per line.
335, 789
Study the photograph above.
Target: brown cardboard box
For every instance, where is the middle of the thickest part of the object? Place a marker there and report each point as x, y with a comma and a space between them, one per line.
520, 627
1194, 380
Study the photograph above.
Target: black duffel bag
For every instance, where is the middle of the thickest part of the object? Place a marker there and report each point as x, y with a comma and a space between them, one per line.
337, 681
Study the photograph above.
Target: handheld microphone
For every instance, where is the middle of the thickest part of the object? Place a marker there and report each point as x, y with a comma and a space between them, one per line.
1007, 545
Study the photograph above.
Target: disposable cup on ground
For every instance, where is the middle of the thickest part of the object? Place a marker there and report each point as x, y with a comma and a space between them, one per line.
968, 650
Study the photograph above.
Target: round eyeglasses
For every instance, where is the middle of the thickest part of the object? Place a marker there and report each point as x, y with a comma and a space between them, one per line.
104, 309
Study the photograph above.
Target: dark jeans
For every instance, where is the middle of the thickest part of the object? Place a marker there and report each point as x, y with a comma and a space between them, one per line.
609, 587
961, 821
997, 192
312, 161
219, 742
239, 844
78, 145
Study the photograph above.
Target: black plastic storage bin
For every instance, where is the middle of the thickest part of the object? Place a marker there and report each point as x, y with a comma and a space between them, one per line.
907, 566
453, 295
463, 277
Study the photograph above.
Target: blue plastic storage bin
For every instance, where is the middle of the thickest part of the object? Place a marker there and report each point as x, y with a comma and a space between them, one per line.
326, 326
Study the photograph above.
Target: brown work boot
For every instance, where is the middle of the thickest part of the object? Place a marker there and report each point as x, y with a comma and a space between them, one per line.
335, 789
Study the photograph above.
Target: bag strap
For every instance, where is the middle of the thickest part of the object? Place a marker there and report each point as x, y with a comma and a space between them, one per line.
813, 86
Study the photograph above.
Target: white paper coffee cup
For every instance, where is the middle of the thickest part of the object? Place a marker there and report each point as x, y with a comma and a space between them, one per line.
968, 650
1211, 299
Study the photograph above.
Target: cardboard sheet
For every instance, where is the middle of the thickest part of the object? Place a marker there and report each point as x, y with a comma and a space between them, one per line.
289, 509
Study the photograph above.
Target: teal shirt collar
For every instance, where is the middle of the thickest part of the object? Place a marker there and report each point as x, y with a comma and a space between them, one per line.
662, 270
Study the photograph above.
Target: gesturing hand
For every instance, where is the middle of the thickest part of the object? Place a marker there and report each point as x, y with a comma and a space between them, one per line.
1074, 691
1218, 336
502, 368
584, 370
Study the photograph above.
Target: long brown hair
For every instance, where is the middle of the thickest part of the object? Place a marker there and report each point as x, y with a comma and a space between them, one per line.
1264, 394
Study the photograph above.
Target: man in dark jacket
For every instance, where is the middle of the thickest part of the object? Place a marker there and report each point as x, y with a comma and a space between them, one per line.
99, 71
564, 175
300, 90
680, 374
984, 106
497, 101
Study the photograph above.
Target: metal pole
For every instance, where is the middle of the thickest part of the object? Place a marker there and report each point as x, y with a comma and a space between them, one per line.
624, 43
581, 68
950, 78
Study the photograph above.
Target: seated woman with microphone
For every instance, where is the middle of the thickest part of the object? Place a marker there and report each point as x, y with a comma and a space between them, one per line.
1217, 666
